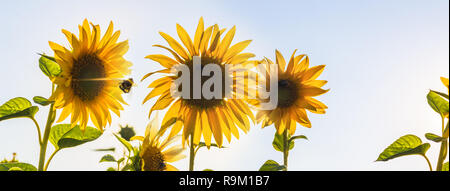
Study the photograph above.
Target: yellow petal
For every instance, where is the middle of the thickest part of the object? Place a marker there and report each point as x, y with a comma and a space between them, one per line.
184, 37
198, 35
175, 46
280, 61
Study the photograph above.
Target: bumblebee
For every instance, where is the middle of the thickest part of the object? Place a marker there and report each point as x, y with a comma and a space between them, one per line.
126, 85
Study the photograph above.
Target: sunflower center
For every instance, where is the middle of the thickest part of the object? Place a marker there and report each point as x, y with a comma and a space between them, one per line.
85, 70
203, 102
153, 160
287, 93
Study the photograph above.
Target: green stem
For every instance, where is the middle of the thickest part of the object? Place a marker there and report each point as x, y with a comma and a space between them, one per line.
191, 154
443, 151
50, 159
50, 120
286, 149
442, 155
38, 130
48, 126
428, 161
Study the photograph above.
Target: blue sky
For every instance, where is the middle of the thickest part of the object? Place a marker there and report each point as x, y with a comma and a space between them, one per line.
382, 57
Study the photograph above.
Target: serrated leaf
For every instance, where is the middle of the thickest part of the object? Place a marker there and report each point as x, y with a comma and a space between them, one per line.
49, 66
405, 145
42, 100
445, 167
17, 107
437, 103
16, 166
124, 143
63, 136
433, 137
278, 143
271, 165
107, 158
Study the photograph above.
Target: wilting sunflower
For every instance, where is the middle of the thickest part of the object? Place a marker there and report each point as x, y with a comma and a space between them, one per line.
297, 85
154, 154
202, 116
83, 88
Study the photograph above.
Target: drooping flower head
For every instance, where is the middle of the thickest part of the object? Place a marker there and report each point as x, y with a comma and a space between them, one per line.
202, 117
154, 152
83, 89
297, 85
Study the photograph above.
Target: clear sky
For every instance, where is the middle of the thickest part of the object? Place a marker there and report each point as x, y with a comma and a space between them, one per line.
382, 57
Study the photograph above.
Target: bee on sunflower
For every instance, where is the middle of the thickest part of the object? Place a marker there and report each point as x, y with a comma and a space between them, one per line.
80, 90
202, 117
297, 87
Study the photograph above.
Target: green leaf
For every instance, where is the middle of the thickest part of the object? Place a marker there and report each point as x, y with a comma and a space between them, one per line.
111, 169
49, 66
298, 137
441, 94
124, 142
405, 145
437, 103
433, 137
278, 143
120, 160
445, 167
127, 167
17, 166
17, 107
208, 169
106, 150
202, 144
271, 165
63, 136
42, 100
107, 158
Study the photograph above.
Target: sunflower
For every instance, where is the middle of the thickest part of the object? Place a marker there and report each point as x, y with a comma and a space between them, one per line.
154, 154
297, 85
83, 88
445, 82
202, 117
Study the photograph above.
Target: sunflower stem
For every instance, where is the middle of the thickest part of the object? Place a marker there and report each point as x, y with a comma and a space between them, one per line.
50, 159
50, 120
191, 154
285, 149
443, 151
38, 130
